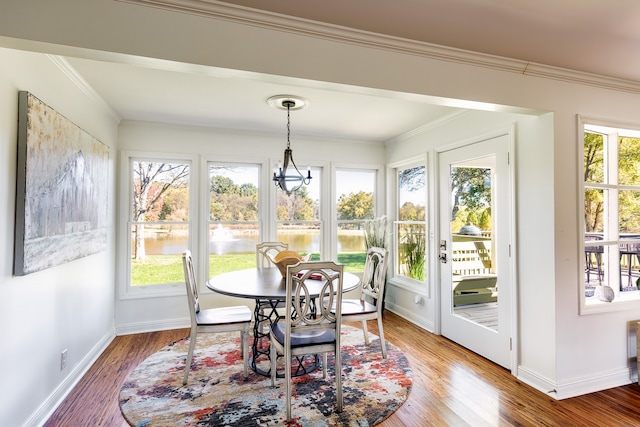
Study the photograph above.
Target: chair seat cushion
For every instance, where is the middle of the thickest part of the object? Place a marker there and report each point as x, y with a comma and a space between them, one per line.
224, 315
355, 306
304, 339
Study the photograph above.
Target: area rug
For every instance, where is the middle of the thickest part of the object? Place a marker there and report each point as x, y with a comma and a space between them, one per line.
218, 395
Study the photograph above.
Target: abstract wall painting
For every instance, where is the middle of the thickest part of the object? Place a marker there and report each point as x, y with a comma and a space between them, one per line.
61, 190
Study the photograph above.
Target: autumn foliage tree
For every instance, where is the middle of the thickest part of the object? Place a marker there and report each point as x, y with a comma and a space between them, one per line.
151, 182
296, 207
354, 206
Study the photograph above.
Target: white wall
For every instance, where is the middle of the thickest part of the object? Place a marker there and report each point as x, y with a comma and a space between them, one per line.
589, 352
66, 307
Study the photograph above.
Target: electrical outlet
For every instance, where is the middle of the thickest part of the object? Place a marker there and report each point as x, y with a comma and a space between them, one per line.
63, 359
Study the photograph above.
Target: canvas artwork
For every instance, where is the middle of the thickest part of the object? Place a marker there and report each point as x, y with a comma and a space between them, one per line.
62, 189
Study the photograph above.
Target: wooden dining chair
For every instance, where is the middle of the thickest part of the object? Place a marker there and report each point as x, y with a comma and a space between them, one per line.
369, 306
309, 328
213, 320
265, 251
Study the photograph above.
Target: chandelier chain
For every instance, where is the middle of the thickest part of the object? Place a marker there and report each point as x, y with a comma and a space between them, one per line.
288, 123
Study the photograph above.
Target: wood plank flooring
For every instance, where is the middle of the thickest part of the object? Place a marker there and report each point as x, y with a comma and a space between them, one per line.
452, 387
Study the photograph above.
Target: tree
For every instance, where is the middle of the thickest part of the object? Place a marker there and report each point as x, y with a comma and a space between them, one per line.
629, 174
150, 183
412, 179
296, 207
484, 222
593, 172
411, 212
232, 202
355, 206
470, 187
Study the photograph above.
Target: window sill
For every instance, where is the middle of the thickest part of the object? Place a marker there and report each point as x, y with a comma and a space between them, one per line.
623, 302
152, 291
410, 285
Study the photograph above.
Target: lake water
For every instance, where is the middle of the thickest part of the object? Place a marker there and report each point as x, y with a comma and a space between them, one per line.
300, 241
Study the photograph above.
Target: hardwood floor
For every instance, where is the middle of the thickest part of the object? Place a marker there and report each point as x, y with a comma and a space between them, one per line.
452, 387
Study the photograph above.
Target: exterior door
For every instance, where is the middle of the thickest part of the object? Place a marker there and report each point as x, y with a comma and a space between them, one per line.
475, 247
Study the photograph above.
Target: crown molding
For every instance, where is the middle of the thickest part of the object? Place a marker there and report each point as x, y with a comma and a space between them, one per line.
304, 27
82, 84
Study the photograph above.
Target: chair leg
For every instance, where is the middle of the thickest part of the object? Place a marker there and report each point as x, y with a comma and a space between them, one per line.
192, 346
383, 344
366, 334
324, 365
244, 342
287, 378
338, 373
273, 356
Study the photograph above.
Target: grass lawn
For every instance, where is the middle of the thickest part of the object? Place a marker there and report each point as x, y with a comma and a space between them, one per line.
159, 269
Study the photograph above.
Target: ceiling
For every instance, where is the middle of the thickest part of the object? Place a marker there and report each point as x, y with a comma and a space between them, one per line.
594, 36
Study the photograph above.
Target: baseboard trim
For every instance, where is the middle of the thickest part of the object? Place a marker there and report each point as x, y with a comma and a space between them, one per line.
537, 381
153, 326
597, 382
408, 315
48, 407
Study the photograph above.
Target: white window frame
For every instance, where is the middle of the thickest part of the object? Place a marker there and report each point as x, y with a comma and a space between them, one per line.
622, 301
407, 283
125, 290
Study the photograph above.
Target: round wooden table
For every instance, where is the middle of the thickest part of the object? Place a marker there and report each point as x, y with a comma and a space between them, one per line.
268, 288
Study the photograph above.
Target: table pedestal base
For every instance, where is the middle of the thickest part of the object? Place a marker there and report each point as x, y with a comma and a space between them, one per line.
265, 314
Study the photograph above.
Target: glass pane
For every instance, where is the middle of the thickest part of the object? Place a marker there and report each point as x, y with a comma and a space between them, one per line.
594, 204
351, 246
474, 279
629, 212
160, 199
302, 205
355, 194
628, 161
232, 246
233, 192
471, 200
630, 264
158, 248
412, 194
160, 191
596, 266
411, 251
594, 158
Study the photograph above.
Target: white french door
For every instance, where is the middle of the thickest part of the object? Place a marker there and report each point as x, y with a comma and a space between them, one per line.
475, 262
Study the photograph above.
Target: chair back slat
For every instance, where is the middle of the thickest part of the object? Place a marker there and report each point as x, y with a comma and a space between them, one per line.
265, 251
375, 274
191, 284
303, 314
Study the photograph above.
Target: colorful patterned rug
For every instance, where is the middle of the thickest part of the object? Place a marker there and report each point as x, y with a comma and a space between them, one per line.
218, 395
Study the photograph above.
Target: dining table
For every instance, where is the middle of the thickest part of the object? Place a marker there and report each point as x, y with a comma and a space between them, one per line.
267, 287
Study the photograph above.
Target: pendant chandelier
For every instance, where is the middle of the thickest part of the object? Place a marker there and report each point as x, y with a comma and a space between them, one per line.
287, 176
